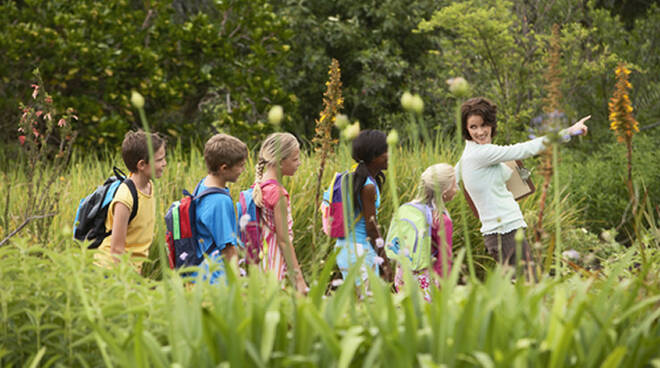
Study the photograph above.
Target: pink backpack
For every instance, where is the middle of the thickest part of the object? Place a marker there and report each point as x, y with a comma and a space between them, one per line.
249, 214
332, 208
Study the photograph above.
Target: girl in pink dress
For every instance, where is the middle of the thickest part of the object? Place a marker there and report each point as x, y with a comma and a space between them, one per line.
438, 186
279, 156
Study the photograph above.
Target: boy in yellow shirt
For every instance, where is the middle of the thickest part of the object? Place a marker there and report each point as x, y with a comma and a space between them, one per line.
133, 237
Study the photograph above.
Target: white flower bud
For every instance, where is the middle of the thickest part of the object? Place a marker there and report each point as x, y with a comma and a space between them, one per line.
137, 100
275, 115
407, 101
352, 131
392, 140
341, 121
458, 86
417, 104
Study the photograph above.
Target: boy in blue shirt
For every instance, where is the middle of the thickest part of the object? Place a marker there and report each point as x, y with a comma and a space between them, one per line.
215, 218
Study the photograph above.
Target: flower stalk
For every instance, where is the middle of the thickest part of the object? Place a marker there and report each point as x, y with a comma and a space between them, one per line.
333, 102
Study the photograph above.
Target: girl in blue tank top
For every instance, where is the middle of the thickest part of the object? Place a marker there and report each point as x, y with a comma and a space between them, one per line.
364, 239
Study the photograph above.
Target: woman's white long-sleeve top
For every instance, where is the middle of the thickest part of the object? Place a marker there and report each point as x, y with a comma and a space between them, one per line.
484, 176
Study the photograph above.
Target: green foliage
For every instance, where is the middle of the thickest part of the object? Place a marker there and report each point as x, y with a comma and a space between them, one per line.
380, 56
95, 317
597, 181
495, 50
197, 69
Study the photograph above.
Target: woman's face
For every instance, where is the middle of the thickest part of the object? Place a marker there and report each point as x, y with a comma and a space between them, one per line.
479, 131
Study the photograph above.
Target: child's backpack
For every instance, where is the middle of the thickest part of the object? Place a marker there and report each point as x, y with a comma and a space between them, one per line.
93, 209
332, 207
249, 227
410, 234
181, 235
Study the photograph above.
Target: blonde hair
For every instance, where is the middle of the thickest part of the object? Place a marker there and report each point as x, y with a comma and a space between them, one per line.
276, 147
223, 149
436, 179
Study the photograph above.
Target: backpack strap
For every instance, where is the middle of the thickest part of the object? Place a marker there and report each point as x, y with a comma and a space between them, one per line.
210, 190
133, 189
269, 181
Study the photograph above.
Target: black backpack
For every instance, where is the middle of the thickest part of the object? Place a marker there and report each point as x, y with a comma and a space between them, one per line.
93, 209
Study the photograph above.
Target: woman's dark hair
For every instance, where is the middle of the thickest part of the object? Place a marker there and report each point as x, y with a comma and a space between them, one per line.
368, 145
479, 106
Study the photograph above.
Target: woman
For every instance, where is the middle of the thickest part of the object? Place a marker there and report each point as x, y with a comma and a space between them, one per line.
484, 176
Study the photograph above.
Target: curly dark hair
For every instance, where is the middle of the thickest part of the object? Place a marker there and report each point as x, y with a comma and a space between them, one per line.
368, 145
479, 106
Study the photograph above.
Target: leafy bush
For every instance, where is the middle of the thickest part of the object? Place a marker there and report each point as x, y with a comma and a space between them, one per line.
199, 64
597, 180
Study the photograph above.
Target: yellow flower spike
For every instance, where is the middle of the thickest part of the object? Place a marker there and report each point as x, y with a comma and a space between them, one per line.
620, 108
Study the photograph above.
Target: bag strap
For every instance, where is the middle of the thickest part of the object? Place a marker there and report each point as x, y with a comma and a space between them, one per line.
207, 191
131, 188
269, 181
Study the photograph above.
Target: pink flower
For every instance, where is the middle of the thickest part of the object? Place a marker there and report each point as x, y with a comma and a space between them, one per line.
48, 116
36, 90
35, 132
38, 113
74, 116
21, 138
20, 129
61, 123
378, 260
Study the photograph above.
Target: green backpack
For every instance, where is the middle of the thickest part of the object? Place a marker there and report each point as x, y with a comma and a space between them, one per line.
409, 235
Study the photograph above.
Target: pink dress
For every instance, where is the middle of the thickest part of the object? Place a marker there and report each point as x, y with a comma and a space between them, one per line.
423, 276
273, 260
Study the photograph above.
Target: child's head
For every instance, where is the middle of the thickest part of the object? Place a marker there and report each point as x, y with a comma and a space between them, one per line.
370, 145
135, 152
225, 155
370, 152
438, 185
282, 149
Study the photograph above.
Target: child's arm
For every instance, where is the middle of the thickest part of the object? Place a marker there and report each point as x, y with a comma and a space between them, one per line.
229, 252
121, 214
284, 243
368, 196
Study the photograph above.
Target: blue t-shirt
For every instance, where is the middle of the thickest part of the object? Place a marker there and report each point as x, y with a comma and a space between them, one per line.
215, 220
361, 225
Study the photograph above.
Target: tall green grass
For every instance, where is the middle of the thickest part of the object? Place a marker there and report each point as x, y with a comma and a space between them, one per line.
57, 309
185, 169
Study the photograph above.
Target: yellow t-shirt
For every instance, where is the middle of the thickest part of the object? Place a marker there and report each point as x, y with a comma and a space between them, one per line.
140, 231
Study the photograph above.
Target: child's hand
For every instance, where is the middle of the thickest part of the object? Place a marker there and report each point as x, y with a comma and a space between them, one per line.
301, 285
387, 270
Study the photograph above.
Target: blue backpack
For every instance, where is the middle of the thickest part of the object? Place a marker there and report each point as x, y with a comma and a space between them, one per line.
181, 235
92, 211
